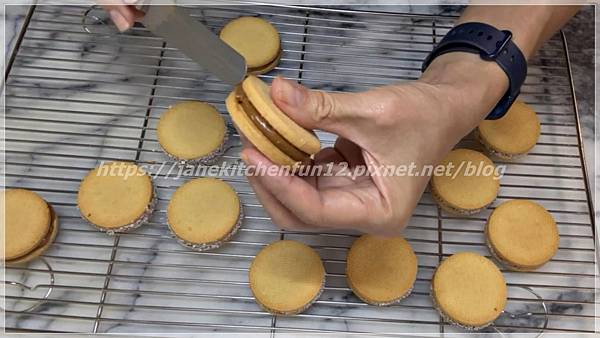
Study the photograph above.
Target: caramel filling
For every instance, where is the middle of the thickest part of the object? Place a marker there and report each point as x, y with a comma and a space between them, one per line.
267, 67
263, 125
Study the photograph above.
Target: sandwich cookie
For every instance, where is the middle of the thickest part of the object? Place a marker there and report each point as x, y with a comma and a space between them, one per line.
512, 135
192, 132
116, 197
522, 235
271, 131
286, 277
468, 185
256, 40
204, 213
30, 226
468, 290
381, 271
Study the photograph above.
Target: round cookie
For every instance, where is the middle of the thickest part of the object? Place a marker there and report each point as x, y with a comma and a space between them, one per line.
192, 132
204, 213
522, 235
259, 93
381, 271
247, 128
512, 135
29, 225
116, 197
44, 245
463, 189
469, 290
286, 277
256, 40
272, 132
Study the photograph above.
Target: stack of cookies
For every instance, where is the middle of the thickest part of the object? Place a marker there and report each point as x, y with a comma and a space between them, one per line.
468, 289
256, 40
29, 225
203, 213
286, 277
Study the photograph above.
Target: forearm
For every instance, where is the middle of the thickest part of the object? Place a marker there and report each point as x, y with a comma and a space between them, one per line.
474, 86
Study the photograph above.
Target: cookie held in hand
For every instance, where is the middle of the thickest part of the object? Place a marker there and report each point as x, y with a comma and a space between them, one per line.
272, 132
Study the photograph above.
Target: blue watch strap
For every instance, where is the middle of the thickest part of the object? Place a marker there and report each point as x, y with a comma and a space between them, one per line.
492, 45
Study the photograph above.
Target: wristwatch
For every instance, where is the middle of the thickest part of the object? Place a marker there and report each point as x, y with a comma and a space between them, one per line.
491, 44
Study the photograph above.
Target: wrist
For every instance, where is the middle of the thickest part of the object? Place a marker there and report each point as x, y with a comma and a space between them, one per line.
527, 23
471, 86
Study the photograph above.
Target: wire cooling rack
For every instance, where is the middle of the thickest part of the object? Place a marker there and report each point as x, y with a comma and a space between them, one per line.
75, 98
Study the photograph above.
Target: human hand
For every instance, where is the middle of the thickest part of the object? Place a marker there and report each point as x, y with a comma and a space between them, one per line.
411, 124
122, 15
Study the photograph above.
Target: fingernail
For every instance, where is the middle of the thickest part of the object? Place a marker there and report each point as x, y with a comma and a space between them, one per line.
119, 20
291, 93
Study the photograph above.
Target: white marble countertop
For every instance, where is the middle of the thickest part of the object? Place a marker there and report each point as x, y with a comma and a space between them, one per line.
14, 16
60, 129
580, 35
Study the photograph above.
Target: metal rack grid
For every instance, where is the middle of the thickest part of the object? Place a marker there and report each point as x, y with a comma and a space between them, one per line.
74, 99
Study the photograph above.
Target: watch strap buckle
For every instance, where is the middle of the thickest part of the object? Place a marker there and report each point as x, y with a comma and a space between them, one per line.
500, 46
492, 45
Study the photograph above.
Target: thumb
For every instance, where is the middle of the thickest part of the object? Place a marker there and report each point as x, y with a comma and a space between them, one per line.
315, 109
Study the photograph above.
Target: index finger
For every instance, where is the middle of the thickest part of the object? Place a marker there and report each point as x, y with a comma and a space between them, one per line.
337, 207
